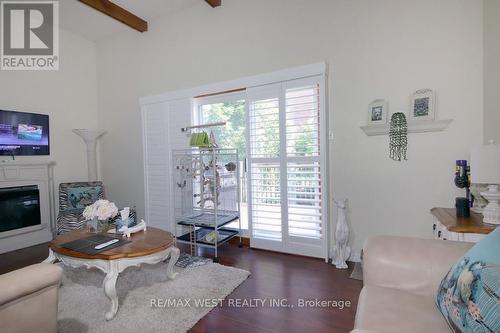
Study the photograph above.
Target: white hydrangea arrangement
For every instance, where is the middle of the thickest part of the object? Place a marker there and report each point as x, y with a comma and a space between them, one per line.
101, 209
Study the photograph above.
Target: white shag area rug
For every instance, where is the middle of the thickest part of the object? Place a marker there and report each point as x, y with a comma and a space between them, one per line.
82, 303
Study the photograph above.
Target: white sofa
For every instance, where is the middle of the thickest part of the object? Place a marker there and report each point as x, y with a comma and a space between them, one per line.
28, 299
401, 276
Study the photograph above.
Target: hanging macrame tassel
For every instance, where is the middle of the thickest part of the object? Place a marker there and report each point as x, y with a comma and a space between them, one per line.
398, 136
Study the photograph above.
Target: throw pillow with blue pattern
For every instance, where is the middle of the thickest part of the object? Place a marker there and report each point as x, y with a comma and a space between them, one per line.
80, 197
469, 295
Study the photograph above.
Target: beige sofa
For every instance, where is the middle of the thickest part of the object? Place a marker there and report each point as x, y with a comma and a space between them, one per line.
401, 276
28, 299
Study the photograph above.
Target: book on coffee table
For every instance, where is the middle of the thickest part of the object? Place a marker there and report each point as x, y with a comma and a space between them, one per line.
87, 245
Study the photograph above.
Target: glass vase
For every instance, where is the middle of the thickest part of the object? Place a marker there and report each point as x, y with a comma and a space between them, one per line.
102, 226
97, 226
91, 225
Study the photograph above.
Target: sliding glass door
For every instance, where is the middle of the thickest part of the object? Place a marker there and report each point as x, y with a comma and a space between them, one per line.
286, 150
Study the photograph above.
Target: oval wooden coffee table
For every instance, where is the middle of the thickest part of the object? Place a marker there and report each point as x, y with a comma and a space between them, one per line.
146, 247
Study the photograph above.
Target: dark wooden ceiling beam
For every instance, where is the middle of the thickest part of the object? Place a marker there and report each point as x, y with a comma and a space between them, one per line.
214, 3
118, 13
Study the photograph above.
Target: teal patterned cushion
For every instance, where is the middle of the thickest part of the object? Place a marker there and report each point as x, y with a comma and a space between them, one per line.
80, 197
469, 295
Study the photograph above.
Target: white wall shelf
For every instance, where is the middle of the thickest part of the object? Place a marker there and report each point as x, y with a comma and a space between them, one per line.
414, 127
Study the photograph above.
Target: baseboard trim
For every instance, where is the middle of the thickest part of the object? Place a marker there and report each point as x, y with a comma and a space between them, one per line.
354, 257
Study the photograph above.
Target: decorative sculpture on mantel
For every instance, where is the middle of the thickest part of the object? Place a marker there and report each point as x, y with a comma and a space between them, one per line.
342, 250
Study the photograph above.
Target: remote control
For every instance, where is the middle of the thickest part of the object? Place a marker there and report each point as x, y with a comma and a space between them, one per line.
103, 245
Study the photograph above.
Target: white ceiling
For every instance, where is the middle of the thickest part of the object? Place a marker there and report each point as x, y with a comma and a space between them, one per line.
91, 24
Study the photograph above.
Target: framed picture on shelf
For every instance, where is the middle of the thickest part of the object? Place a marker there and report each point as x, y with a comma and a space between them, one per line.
422, 105
377, 112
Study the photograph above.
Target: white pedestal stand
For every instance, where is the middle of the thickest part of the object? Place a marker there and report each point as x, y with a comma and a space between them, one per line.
90, 138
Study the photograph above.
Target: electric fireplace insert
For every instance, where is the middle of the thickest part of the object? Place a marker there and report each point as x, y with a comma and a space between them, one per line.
19, 207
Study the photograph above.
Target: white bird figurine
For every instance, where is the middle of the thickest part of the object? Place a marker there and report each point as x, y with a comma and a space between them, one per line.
136, 228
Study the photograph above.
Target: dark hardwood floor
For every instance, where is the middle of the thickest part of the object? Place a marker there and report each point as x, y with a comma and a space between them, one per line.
24, 257
274, 276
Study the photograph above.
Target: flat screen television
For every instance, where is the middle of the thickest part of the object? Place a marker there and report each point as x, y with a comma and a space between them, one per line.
23, 133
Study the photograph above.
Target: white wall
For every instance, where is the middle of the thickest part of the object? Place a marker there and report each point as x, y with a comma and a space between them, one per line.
491, 70
68, 96
375, 49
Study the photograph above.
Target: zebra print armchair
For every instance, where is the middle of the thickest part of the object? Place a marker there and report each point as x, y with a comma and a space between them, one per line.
73, 198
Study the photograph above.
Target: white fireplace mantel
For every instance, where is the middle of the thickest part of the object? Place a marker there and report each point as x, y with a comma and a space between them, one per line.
25, 173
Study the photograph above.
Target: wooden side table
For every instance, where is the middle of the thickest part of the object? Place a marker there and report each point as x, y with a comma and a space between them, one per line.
447, 226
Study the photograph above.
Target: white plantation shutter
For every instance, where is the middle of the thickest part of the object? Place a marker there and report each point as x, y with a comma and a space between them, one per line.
266, 200
302, 121
162, 123
264, 124
287, 153
304, 200
303, 164
156, 163
265, 204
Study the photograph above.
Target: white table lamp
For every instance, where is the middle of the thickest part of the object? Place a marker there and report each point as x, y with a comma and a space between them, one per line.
485, 169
